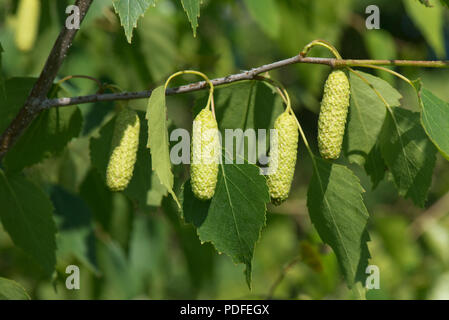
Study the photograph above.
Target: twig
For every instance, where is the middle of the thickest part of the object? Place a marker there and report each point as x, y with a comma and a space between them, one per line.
38, 94
247, 75
98, 82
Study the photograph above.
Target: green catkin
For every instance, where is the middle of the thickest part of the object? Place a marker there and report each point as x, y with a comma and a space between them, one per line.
333, 114
283, 158
28, 13
124, 145
205, 155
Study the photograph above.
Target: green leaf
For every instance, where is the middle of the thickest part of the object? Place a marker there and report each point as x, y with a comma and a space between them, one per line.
17, 90
11, 290
76, 232
192, 8
26, 215
430, 21
366, 114
266, 14
158, 139
445, 3
375, 166
434, 118
408, 153
337, 210
143, 189
130, 12
233, 219
47, 135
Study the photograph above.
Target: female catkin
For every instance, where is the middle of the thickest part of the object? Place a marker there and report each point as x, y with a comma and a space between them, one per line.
124, 145
283, 153
205, 155
333, 114
28, 13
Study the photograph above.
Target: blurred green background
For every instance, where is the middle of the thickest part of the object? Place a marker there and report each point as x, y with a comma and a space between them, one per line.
129, 253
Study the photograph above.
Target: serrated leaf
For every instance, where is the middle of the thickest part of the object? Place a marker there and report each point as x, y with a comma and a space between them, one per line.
141, 187
408, 153
47, 135
76, 236
26, 215
130, 12
435, 120
233, 219
158, 139
11, 290
366, 114
337, 210
192, 9
430, 22
266, 14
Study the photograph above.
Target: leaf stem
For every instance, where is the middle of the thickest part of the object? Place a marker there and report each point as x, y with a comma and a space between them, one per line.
286, 97
322, 43
98, 82
210, 101
397, 74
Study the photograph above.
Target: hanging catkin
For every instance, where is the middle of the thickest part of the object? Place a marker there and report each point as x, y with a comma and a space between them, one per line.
333, 114
125, 142
283, 158
205, 155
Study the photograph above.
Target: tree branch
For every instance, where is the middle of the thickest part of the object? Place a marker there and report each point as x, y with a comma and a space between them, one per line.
246, 75
39, 92
37, 101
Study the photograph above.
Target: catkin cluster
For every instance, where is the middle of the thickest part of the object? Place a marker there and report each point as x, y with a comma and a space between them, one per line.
283, 155
333, 114
125, 142
205, 155
28, 13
